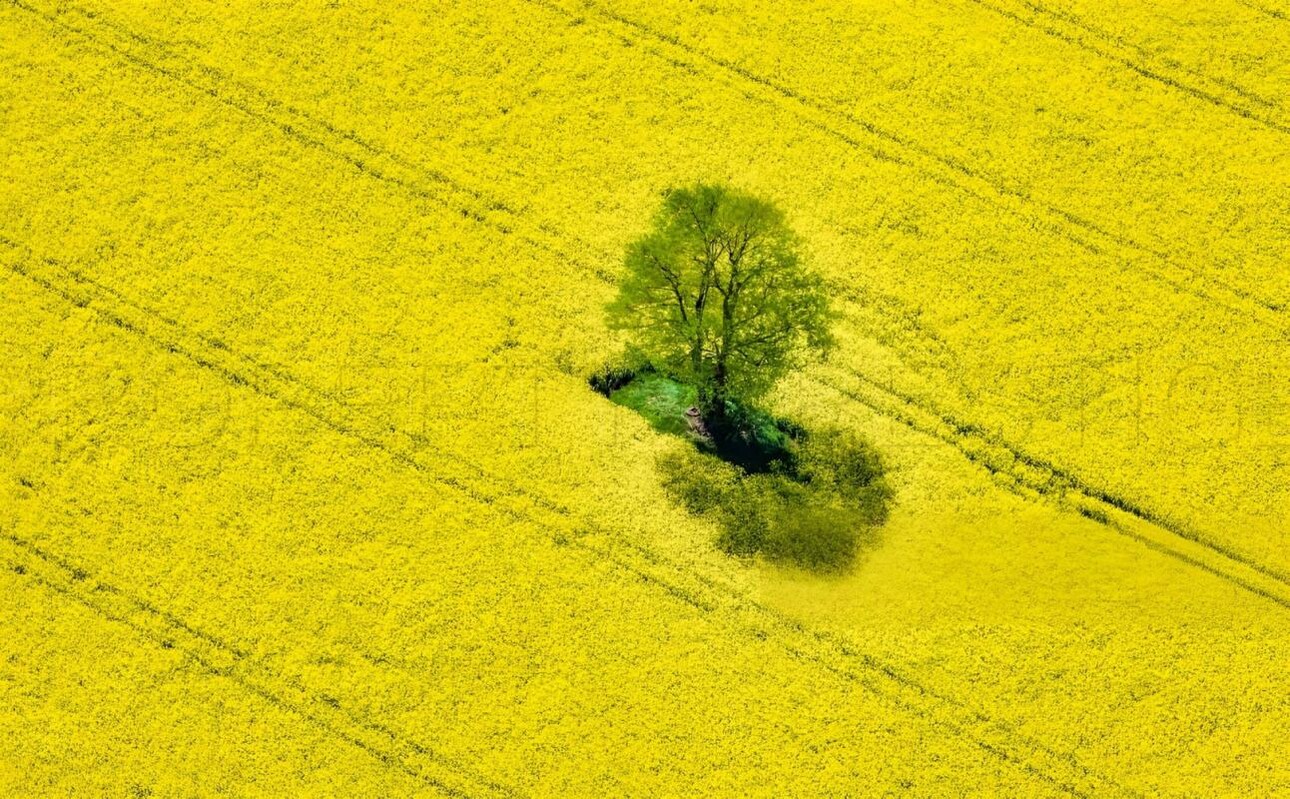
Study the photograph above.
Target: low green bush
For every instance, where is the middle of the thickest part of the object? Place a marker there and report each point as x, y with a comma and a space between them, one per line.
818, 515
819, 538
839, 459
810, 499
700, 485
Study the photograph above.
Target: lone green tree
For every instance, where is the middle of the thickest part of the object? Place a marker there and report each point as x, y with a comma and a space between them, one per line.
717, 295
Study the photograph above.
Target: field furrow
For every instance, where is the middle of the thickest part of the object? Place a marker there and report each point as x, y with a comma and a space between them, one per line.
355, 670
565, 528
164, 631
499, 207
1072, 30
296, 414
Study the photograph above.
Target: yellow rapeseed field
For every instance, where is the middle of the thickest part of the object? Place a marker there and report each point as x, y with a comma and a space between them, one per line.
303, 491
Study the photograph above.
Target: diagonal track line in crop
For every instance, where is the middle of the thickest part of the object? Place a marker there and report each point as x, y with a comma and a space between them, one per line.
1102, 495
1074, 31
1038, 478
1065, 480
1275, 13
514, 221
949, 171
425, 184
376, 151
832, 653
484, 209
408, 449
311, 131
380, 176
451, 778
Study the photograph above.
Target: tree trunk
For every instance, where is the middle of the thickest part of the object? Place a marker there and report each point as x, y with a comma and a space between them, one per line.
715, 402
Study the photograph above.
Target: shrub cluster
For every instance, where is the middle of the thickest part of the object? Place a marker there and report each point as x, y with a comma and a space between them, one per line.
816, 508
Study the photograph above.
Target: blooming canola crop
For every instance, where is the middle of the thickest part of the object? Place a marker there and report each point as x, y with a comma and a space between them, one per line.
304, 491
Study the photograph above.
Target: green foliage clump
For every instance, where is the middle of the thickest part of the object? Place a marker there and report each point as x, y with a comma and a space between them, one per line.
818, 510
843, 464
819, 538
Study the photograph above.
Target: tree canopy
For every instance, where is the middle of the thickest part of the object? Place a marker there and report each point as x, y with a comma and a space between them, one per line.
717, 295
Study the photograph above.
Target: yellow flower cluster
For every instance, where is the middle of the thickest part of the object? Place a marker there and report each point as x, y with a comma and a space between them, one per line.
303, 491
